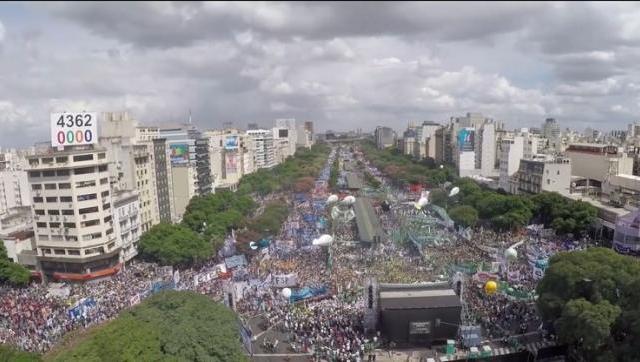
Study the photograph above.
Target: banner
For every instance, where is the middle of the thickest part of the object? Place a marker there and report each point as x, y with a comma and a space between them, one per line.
179, 154
81, 308
231, 163
284, 280
134, 300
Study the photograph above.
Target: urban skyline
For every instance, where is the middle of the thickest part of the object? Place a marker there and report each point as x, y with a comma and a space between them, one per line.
517, 63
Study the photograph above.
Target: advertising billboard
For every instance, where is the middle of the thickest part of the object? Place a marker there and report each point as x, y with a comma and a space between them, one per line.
466, 139
73, 129
231, 163
179, 153
231, 143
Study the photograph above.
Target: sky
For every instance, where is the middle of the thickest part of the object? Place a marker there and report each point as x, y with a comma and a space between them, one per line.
342, 65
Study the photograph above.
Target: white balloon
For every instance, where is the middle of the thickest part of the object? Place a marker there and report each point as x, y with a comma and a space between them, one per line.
349, 200
323, 240
253, 245
454, 191
421, 203
511, 254
286, 292
331, 199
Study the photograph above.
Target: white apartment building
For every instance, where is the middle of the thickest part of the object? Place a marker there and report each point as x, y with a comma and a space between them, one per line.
544, 173
14, 190
72, 211
228, 150
597, 162
426, 140
512, 150
262, 142
283, 144
304, 133
126, 222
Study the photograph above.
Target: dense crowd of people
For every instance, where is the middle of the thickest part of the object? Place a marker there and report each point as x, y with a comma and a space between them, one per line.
329, 325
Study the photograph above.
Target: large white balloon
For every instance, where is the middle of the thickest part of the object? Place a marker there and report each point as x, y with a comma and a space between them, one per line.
323, 240
511, 254
454, 191
331, 199
253, 245
421, 203
286, 292
349, 200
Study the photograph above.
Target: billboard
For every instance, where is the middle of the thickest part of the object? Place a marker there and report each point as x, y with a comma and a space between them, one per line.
73, 129
231, 163
231, 143
466, 139
179, 153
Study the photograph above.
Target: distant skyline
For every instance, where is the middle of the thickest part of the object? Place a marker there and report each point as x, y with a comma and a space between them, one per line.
342, 65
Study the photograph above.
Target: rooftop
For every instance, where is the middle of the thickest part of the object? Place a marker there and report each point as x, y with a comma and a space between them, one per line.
416, 299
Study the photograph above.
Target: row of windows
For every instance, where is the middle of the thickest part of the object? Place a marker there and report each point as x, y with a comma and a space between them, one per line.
83, 211
51, 199
64, 159
70, 225
77, 171
67, 186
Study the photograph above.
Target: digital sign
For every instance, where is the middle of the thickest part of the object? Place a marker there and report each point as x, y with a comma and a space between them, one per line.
231, 143
179, 153
283, 133
73, 129
466, 138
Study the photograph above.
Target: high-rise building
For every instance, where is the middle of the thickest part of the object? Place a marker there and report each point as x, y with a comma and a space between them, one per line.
72, 208
544, 173
126, 222
228, 149
14, 190
385, 137
263, 148
551, 131
164, 189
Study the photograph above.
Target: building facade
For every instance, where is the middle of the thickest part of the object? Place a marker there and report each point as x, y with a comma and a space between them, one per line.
72, 211
126, 223
544, 173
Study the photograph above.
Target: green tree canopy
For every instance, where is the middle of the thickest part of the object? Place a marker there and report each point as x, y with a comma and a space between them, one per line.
177, 245
593, 297
464, 215
10, 272
169, 326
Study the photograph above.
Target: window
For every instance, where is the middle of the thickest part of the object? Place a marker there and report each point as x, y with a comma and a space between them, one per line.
37, 199
70, 225
62, 159
66, 199
64, 186
110, 246
88, 210
73, 252
53, 212
41, 224
50, 186
106, 206
36, 187
104, 181
107, 219
59, 251
87, 197
102, 168
548, 182
109, 231
558, 172
34, 162
83, 184
83, 170
101, 156
48, 173
39, 212
62, 172
104, 193
46, 251
34, 173
67, 212
54, 224
78, 158
90, 223
52, 199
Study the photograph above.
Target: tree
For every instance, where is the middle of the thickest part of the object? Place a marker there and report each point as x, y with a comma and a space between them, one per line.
592, 296
177, 245
464, 215
10, 272
169, 326
439, 197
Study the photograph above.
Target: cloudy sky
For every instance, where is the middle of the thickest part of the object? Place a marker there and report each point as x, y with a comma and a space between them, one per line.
353, 65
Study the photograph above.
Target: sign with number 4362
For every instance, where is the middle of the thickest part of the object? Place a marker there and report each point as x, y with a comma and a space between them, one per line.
72, 129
